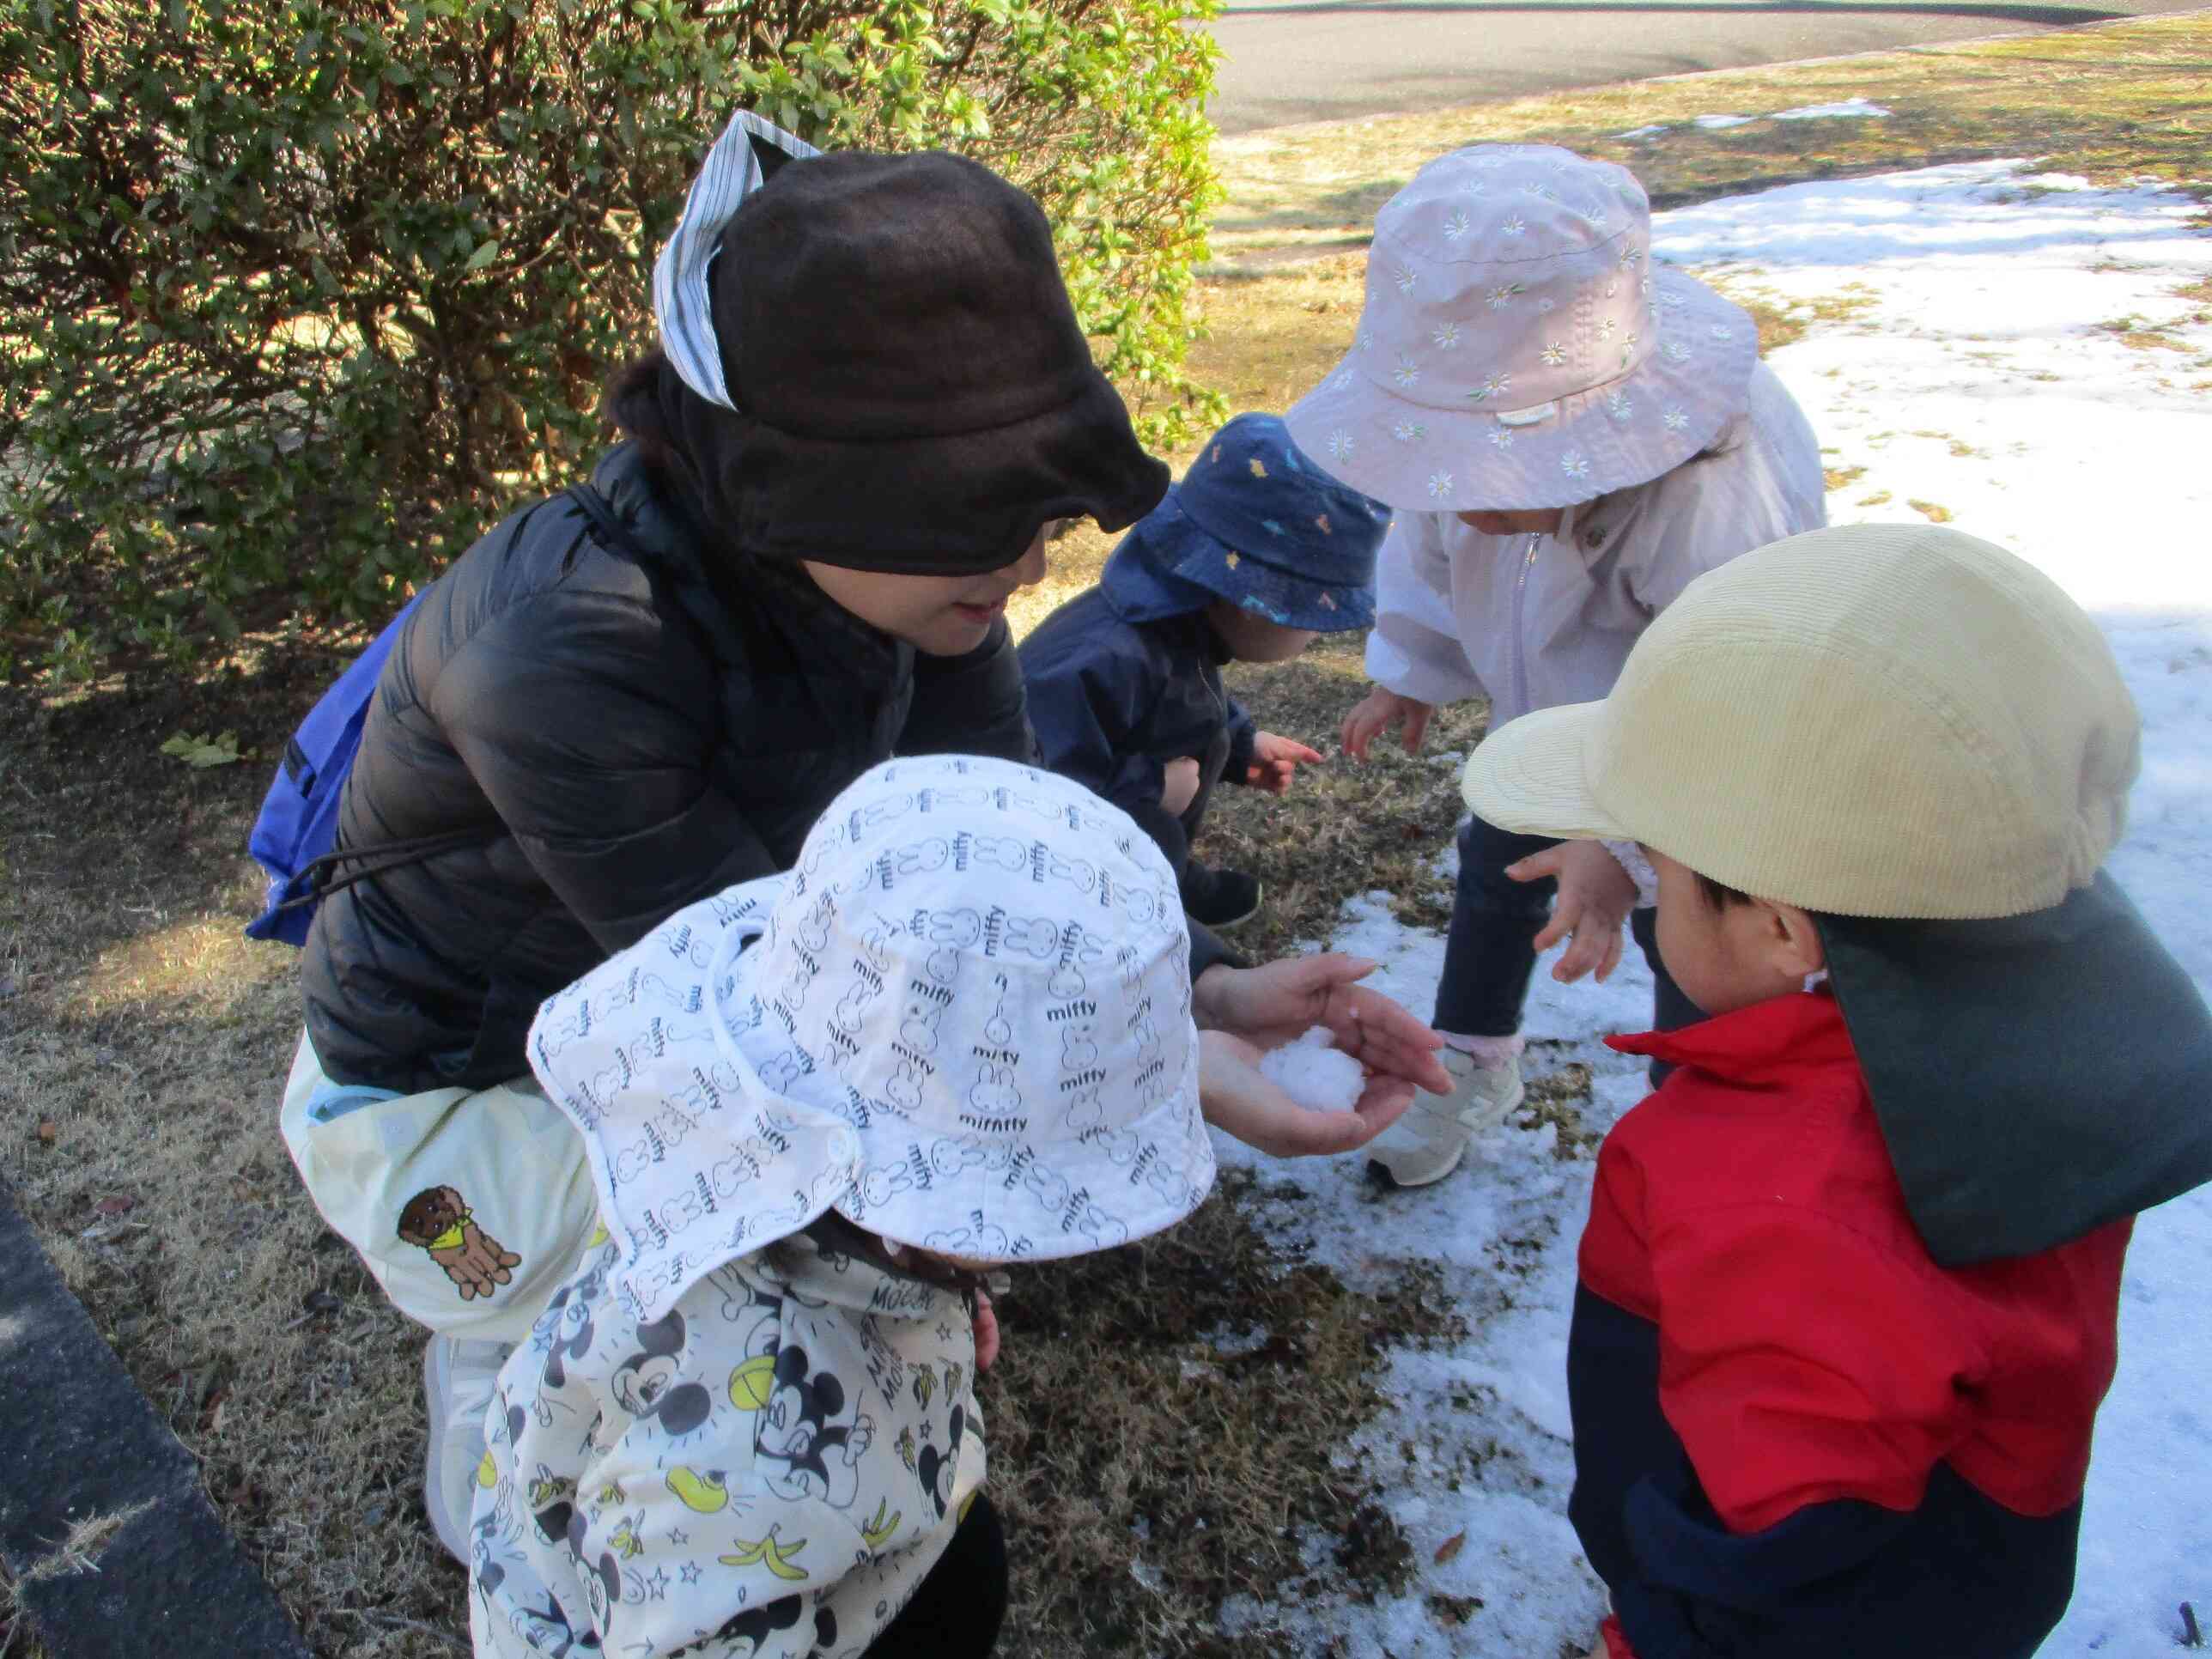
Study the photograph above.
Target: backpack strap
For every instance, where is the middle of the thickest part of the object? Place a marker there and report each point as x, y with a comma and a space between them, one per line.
395, 855
612, 532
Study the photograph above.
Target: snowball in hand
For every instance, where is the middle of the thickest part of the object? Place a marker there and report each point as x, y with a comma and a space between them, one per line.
1315, 1073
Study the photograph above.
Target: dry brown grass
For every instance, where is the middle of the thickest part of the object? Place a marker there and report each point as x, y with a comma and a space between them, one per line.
1151, 1461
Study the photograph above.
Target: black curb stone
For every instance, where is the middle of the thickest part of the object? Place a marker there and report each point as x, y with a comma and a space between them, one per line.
80, 1440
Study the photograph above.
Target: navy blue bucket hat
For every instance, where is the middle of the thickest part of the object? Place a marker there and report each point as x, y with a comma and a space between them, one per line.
1255, 523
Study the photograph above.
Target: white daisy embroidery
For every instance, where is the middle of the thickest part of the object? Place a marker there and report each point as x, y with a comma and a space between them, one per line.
1723, 332
1618, 406
1409, 432
1612, 288
1503, 296
1515, 225
1628, 344
1446, 335
1575, 463
1497, 385
1457, 226
1408, 372
1605, 327
1675, 420
1629, 253
1366, 342
1474, 187
1502, 438
1406, 279
1440, 485
1555, 352
1341, 444
1676, 351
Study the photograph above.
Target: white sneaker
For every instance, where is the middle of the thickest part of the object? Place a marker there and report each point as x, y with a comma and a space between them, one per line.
1426, 1144
459, 1378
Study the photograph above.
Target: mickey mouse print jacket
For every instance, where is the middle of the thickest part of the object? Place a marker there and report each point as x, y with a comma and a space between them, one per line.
767, 1471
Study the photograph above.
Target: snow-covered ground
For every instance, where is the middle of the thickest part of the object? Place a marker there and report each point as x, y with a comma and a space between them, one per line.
1972, 375
1850, 109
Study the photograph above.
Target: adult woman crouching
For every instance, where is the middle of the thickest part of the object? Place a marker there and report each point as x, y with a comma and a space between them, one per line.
870, 400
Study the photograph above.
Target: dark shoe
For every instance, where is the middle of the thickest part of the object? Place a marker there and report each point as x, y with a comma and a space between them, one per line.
1221, 899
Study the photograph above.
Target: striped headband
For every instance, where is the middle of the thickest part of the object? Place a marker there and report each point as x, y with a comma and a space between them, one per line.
681, 302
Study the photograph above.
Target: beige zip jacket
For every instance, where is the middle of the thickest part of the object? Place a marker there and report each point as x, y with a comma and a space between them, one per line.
1532, 621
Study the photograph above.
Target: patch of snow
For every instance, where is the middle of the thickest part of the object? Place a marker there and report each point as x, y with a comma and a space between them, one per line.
1315, 1072
1716, 123
1973, 377
1851, 109
1641, 132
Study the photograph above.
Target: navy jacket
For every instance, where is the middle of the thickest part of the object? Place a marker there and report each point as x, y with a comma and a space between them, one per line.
1115, 700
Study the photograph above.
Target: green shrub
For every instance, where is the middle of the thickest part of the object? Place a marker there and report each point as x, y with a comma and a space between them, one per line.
298, 295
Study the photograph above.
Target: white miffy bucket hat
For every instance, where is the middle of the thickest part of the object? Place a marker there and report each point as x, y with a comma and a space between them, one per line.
1518, 349
962, 1021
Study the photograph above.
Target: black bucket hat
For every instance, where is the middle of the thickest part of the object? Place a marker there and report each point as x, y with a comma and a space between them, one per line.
912, 392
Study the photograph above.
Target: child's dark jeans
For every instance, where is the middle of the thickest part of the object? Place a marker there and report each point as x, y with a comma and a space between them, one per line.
956, 1613
1490, 954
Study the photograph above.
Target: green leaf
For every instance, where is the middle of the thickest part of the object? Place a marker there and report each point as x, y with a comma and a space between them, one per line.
484, 256
200, 753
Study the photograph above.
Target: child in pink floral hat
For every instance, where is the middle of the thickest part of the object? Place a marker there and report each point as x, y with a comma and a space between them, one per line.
1570, 434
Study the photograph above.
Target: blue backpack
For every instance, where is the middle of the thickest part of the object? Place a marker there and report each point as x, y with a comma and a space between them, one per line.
294, 836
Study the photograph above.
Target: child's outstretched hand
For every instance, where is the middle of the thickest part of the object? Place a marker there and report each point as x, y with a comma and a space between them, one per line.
1377, 713
1275, 761
1595, 896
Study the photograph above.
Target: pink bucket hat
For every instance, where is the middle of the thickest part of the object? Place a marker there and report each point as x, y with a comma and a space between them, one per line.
1518, 349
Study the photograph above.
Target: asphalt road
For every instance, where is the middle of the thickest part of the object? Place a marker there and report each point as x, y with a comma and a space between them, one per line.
1316, 60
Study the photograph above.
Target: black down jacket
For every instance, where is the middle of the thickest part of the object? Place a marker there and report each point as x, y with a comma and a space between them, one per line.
629, 737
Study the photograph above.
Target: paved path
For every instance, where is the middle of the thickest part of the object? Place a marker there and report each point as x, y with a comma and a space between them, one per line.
163, 1580
1316, 60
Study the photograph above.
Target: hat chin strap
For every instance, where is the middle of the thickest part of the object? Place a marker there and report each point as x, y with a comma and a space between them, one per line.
683, 305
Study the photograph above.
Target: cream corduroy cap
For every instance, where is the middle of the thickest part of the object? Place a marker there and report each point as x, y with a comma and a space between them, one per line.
1881, 721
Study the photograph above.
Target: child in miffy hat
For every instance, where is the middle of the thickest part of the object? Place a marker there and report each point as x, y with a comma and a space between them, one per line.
1253, 554
958, 1034
1570, 432
1850, 1286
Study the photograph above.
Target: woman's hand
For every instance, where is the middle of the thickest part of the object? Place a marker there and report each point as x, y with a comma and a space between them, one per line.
1275, 761
1180, 787
1377, 713
1244, 1012
1595, 896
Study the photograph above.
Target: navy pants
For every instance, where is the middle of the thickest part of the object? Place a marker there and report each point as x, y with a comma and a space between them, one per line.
1491, 953
956, 1613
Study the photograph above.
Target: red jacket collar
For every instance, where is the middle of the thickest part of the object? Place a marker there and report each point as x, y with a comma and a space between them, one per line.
1782, 1033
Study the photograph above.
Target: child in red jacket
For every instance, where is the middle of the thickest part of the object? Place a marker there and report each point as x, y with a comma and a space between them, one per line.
1849, 1288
